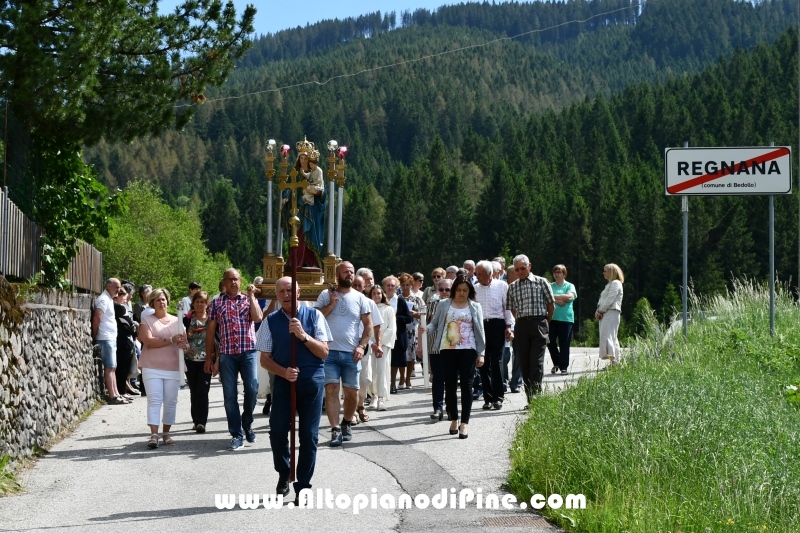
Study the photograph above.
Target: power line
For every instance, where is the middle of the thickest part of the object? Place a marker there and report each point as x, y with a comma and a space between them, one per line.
410, 61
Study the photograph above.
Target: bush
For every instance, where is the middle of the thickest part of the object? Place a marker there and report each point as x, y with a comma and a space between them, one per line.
150, 242
589, 334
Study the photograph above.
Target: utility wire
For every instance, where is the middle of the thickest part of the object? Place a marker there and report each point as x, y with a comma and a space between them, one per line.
410, 61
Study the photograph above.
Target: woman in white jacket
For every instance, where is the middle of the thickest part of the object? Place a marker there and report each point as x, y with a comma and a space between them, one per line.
608, 310
381, 366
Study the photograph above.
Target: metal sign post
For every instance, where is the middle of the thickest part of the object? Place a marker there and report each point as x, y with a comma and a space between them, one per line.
772, 260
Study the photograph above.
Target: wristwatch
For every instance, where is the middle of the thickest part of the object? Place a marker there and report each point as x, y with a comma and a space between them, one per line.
305, 338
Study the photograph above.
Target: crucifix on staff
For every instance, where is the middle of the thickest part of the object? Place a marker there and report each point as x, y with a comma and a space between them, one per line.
295, 185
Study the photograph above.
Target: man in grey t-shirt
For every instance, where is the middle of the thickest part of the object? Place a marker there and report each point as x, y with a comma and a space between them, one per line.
348, 313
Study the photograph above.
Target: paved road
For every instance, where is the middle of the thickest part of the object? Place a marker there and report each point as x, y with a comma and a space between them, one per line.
103, 478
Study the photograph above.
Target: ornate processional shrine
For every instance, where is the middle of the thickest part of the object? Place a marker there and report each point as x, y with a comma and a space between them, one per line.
305, 216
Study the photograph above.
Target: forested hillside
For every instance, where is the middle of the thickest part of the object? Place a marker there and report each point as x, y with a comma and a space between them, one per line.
550, 144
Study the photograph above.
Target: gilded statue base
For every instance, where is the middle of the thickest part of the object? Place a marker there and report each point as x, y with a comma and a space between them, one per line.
311, 283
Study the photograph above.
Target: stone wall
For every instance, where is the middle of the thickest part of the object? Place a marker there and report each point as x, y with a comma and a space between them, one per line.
48, 376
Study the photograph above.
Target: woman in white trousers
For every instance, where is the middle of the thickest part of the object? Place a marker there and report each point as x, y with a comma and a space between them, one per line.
608, 311
380, 367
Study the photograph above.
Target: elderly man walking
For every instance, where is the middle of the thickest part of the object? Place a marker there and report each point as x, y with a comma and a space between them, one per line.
274, 342
234, 314
530, 299
104, 333
497, 323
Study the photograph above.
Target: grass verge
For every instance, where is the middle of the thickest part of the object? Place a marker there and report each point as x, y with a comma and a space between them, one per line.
686, 435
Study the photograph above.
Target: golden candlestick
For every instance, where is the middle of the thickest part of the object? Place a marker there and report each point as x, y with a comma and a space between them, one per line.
340, 179
270, 168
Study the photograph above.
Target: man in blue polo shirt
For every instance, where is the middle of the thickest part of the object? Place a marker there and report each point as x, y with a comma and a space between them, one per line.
274, 342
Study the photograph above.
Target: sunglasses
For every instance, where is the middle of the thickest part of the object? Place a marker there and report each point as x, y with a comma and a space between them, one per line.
444, 290
437, 276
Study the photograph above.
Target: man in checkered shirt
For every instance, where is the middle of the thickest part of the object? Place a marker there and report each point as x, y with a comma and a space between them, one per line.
235, 314
531, 301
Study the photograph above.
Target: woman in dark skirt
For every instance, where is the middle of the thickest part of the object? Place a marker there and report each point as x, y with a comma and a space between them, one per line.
403, 319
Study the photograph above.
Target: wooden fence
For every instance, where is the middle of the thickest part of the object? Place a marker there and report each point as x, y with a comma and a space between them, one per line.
19, 250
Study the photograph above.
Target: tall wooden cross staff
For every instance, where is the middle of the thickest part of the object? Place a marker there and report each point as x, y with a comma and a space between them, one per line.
291, 183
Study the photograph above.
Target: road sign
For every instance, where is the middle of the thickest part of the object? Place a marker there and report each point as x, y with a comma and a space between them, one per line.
717, 171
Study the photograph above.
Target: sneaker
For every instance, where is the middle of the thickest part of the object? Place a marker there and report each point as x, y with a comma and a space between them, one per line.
554, 370
250, 435
200, 428
381, 404
336, 437
563, 372
477, 394
347, 433
487, 406
367, 400
236, 444
497, 406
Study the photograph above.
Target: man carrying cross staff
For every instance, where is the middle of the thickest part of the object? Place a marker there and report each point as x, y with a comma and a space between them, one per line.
298, 369
302, 380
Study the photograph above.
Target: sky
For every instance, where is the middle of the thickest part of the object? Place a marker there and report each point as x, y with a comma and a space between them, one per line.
272, 17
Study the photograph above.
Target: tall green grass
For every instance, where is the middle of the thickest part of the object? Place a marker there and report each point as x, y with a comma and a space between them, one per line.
685, 435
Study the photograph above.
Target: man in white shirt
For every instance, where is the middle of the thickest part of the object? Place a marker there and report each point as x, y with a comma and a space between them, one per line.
349, 316
497, 323
104, 334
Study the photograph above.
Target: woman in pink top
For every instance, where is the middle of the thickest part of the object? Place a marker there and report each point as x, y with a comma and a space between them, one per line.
161, 335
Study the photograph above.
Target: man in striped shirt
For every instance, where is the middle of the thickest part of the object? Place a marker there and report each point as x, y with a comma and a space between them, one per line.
497, 323
530, 299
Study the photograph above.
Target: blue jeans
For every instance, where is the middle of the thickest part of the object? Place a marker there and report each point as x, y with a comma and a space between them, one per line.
340, 365
310, 392
230, 366
109, 351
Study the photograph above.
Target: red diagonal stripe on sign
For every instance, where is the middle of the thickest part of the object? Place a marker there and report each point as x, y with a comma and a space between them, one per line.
699, 180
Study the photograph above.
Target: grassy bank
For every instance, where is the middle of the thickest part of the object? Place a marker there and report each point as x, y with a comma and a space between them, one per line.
691, 435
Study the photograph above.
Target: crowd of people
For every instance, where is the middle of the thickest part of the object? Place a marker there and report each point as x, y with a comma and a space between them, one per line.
356, 346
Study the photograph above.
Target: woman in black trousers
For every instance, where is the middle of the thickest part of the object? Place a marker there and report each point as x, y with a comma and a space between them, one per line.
460, 337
